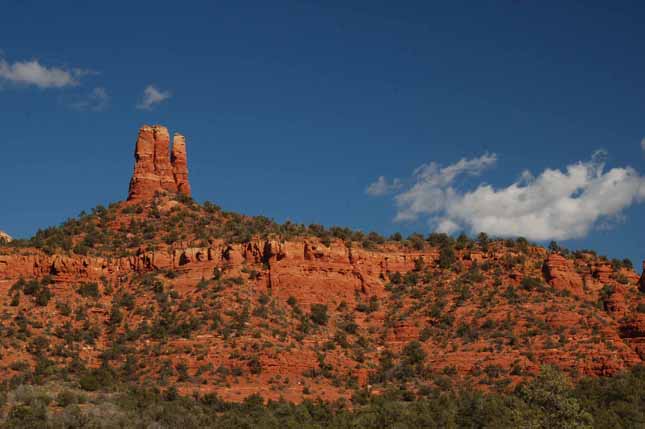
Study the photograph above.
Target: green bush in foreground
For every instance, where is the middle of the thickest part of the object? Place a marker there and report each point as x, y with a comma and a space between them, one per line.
549, 401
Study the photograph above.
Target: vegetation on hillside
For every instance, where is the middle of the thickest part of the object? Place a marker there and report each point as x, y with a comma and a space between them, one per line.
116, 352
120, 229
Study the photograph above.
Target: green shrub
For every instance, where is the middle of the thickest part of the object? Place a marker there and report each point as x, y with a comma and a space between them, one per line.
446, 256
88, 290
255, 366
531, 283
89, 382
319, 314
39, 290
67, 397
413, 353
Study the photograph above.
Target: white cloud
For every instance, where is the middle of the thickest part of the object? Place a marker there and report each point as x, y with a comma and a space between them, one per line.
151, 96
383, 187
432, 188
96, 101
33, 73
643, 144
555, 205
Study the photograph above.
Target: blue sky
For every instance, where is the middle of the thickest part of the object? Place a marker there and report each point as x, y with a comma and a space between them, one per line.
292, 109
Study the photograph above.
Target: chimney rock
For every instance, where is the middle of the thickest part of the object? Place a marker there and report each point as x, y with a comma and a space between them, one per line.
180, 164
154, 169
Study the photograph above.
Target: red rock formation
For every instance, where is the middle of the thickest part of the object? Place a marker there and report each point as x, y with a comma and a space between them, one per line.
616, 303
180, 164
154, 171
603, 272
560, 273
163, 168
641, 282
144, 181
633, 332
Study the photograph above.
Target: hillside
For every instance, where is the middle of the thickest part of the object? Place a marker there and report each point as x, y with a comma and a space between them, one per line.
162, 291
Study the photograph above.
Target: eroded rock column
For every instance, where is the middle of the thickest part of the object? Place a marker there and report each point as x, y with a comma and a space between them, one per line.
180, 164
155, 170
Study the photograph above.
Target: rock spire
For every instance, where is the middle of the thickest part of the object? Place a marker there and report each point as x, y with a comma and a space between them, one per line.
180, 164
155, 170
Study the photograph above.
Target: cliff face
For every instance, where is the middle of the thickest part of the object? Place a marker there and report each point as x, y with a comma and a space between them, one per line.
5, 237
253, 301
154, 170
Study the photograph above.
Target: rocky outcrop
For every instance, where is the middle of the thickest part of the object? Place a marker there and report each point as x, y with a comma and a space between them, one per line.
641, 282
306, 269
4, 237
154, 169
632, 330
603, 272
561, 274
616, 302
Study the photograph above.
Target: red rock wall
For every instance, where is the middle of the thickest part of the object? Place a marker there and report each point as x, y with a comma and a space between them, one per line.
314, 273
